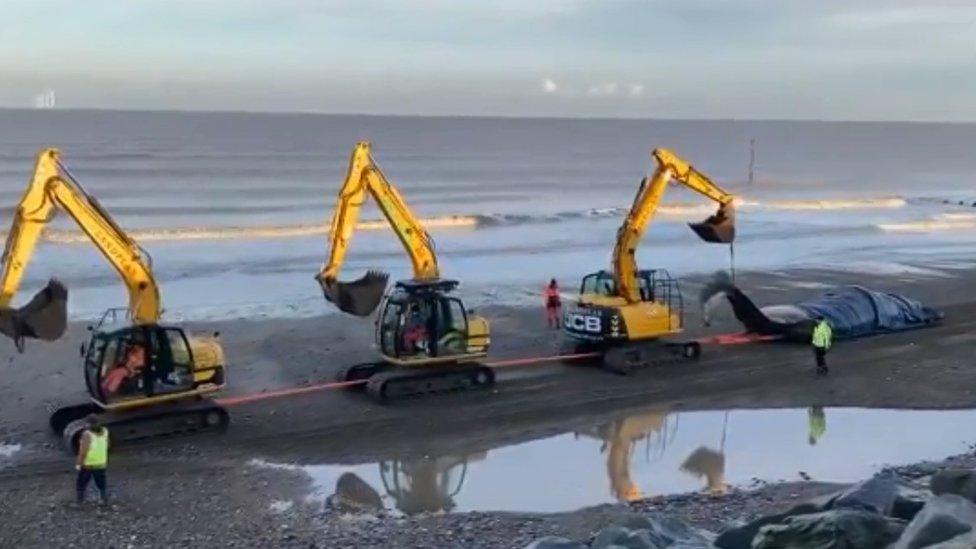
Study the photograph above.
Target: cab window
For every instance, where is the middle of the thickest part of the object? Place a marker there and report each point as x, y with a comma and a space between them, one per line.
598, 283
453, 328
391, 327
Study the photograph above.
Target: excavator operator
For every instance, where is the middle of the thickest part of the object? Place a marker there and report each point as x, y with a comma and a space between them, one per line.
415, 334
129, 368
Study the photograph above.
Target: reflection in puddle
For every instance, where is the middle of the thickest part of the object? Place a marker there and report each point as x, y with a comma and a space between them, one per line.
427, 484
656, 452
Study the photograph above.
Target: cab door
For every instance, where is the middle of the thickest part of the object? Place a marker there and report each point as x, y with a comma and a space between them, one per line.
172, 361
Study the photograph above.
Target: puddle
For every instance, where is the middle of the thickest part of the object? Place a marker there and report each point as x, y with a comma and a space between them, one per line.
656, 452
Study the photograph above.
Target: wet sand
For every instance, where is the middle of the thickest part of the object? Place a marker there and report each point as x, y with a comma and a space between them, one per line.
920, 369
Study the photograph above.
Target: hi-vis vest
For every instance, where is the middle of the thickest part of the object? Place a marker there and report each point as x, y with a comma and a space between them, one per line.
822, 335
97, 456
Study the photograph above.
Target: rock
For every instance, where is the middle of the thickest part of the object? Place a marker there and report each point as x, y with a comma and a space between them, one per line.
964, 541
625, 537
652, 533
883, 494
554, 542
669, 530
961, 482
354, 494
841, 528
942, 519
740, 537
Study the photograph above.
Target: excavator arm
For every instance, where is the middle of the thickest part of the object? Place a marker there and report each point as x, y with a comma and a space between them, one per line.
52, 187
717, 228
361, 297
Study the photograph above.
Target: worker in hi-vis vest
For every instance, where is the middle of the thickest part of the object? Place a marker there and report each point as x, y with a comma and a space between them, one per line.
92, 459
822, 336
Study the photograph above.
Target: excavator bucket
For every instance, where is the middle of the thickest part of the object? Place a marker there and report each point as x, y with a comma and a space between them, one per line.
44, 317
718, 228
359, 297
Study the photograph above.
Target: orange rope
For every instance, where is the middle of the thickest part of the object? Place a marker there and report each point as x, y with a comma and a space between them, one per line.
539, 360
243, 399
725, 339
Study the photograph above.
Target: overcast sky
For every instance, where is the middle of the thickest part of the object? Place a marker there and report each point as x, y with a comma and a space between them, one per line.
825, 59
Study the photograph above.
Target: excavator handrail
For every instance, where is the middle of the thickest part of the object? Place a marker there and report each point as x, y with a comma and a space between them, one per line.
53, 187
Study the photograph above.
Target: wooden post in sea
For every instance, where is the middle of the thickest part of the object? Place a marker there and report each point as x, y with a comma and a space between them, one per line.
752, 161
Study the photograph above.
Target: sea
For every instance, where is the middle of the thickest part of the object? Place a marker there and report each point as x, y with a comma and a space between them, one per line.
233, 208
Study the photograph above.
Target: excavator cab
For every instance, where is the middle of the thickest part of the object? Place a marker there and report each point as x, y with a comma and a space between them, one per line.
144, 380
143, 361
421, 322
597, 317
653, 284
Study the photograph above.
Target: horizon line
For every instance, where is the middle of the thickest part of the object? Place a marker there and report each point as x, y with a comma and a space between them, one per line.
481, 116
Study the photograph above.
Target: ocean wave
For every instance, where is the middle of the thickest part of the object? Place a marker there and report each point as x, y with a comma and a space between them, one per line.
234, 233
941, 222
680, 210
826, 204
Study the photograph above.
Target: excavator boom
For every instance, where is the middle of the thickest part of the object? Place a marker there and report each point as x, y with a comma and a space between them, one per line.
51, 187
364, 177
719, 228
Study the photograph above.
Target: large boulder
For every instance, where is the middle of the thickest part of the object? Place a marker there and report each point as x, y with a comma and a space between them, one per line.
837, 529
942, 519
669, 530
962, 541
354, 495
620, 536
554, 542
740, 537
961, 482
884, 494
652, 533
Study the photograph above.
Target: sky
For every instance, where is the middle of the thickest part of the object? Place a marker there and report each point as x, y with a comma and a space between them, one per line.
746, 59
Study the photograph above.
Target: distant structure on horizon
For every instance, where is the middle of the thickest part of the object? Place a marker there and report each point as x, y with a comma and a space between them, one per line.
45, 100
752, 161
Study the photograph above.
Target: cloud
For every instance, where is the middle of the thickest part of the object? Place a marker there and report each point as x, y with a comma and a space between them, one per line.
906, 16
636, 90
603, 89
549, 86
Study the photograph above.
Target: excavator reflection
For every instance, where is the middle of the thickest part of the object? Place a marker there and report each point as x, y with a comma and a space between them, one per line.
657, 428
427, 339
620, 439
147, 378
427, 484
624, 312
709, 464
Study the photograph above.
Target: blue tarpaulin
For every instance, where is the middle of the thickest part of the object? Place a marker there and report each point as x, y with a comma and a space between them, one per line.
855, 311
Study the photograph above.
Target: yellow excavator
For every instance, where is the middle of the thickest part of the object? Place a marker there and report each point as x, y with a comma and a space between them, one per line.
144, 379
624, 312
428, 341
